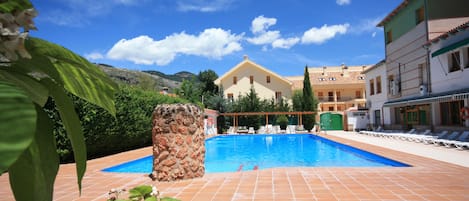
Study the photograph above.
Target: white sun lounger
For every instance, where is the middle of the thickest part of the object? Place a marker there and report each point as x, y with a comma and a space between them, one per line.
462, 138
452, 136
430, 140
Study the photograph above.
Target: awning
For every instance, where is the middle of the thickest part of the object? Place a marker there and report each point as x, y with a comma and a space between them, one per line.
450, 47
440, 97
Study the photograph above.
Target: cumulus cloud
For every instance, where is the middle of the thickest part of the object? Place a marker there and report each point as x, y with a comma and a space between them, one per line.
285, 43
94, 56
211, 43
261, 24
203, 5
321, 35
263, 36
343, 2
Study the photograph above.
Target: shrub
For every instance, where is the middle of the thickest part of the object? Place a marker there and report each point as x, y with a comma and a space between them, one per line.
104, 134
282, 120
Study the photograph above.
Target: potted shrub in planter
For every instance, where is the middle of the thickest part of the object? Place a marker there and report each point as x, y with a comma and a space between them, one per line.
282, 120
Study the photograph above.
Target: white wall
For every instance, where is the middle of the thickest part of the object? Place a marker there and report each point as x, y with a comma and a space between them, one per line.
442, 79
377, 100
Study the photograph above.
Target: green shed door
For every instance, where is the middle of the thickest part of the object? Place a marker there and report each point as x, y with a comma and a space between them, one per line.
331, 121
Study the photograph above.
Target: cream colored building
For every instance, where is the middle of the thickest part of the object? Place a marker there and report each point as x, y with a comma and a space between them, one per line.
337, 88
267, 84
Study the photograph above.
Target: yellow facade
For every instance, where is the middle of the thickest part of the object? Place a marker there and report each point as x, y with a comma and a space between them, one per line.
267, 84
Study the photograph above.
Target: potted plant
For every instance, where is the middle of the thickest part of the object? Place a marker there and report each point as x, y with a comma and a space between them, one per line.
282, 120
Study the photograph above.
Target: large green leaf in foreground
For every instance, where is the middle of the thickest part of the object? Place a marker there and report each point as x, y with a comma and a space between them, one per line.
79, 76
32, 176
72, 125
17, 123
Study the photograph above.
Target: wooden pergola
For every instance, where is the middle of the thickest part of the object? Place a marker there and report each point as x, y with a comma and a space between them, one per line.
235, 115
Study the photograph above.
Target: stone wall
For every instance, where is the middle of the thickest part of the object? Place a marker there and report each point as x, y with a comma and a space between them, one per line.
178, 142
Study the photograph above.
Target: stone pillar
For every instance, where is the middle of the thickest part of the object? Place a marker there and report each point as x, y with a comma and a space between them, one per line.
178, 142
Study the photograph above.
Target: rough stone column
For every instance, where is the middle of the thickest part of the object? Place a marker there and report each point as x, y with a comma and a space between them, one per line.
178, 142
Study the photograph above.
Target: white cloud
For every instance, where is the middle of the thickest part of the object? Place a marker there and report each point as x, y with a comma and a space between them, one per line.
263, 36
203, 5
343, 2
261, 24
321, 35
285, 43
373, 34
211, 43
94, 56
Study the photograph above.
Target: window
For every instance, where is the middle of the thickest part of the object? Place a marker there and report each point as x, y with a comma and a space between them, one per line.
322, 79
267, 78
338, 95
320, 96
449, 112
332, 79
361, 78
251, 79
331, 96
388, 37
235, 80
377, 117
230, 97
331, 108
378, 85
392, 85
358, 94
419, 15
278, 96
372, 87
454, 62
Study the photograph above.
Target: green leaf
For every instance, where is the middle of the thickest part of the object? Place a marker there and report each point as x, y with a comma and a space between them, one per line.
17, 124
71, 124
32, 176
151, 199
80, 77
36, 91
143, 190
38, 65
11, 6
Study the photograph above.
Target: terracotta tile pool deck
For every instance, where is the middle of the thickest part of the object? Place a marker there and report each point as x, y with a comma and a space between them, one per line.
427, 179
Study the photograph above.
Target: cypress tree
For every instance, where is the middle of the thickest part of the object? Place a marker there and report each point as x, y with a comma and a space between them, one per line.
309, 103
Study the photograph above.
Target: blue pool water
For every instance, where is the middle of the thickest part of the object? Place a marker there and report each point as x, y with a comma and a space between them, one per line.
231, 153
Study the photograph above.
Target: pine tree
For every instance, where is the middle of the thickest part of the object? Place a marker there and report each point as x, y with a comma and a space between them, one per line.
309, 102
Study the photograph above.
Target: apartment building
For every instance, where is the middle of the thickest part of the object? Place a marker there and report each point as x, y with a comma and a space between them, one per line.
376, 94
247, 74
407, 29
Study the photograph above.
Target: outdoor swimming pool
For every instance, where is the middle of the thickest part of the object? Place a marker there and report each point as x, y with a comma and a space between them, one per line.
231, 153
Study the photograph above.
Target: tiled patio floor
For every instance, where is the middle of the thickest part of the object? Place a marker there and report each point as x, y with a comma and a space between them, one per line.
427, 180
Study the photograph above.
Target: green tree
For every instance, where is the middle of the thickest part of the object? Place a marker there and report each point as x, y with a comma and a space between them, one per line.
297, 100
190, 91
309, 103
31, 72
207, 81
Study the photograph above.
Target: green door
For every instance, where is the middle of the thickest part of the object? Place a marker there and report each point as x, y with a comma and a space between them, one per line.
331, 121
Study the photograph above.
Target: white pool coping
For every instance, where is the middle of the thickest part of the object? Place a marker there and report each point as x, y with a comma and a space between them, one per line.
442, 153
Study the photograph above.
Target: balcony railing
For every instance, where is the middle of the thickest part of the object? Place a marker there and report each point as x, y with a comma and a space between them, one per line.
339, 99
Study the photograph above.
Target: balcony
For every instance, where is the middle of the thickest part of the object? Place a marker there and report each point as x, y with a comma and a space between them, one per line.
323, 99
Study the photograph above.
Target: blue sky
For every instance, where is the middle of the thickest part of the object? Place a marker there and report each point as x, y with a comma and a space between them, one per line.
196, 35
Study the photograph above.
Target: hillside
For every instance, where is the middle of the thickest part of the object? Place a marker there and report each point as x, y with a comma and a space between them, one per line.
154, 80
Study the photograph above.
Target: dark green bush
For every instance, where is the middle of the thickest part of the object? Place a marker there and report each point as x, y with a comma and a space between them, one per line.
105, 134
282, 121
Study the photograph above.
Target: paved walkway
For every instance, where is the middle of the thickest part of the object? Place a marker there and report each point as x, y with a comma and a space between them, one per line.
450, 155
427, 179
